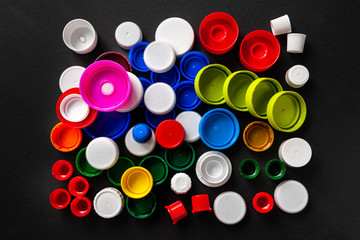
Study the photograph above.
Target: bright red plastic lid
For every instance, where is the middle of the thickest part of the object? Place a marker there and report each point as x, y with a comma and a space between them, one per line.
200, 203
78, 186
65, 138
218, 32
177, 211
170, 134
80, 206
259, 50
62, 170
263, 202
60, 198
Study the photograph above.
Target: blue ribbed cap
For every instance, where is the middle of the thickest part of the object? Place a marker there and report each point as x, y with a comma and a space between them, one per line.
141, 133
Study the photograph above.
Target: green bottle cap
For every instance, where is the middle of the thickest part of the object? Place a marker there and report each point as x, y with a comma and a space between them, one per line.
115, 173
143, 207
249, 168
180, 158
275, 169
157, 167
84, 167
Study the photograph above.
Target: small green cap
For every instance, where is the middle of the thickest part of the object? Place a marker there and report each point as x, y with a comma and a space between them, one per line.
143, 207
249, 168
180, 158
157, 167
84, 167
275, 169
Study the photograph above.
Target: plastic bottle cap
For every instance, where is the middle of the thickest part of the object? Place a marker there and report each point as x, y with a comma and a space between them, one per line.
209, 83
186, 98
259, 50
178, 33
280, 25
141, 208
235, 88
249, 168
157, 167
159, 57
200, 203
115, 173
141, 133
180, 183
70, 78
218, 32
62, 170
181, 158
170, 134
229, 207
84, 167
102, 153
137, 148
136, 95
127, 34
60, 198
80, 36
177, 211
213, 169
64, 138
109, 202
159, 98
109, 124
80, 206
258, 95
136, 57
295, 42
190, 121
295, 152
116, 57
145, 83
219, 128
258, 136
154, 120
275, 169
297, 76
263, 202
78, 186
137, 182
171, 77
286, 111
191, 63
105, 86
291, 196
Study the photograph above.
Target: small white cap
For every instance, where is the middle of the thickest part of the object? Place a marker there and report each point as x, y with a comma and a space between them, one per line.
291, 196
139, 149
178, 33
190, 121
127, 34
181, 183
159, 98
295, 152
297, 76
109, 202
73, 108
136, 95
213, 169
229, 207
295, 42
280, 25
70, 78
102, 153
159, 57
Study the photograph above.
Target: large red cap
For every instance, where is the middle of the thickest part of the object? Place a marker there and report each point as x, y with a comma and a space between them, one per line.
170, 134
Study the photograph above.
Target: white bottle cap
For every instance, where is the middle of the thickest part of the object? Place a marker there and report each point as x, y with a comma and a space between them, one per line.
181, 183
159, 98
70, 78
291, 196
73, 108
295, 152
190, 121
229, 207
127, 34
136, 95
213, 169
80, 36
178, 33
295, 42
109, 202
139, 149
297, 76
280, 25
159, 57
102, 153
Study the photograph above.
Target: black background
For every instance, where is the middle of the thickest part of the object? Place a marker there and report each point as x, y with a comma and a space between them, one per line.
33, 57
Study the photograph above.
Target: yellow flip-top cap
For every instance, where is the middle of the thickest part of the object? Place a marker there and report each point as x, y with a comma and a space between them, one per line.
136, 182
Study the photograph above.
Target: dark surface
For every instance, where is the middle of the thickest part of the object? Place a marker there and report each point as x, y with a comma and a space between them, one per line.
33, 56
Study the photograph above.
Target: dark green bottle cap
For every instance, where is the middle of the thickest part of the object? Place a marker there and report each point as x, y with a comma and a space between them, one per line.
249, 168
275, 169
115, 173
180, 158
84, 167
157, 167
142, 207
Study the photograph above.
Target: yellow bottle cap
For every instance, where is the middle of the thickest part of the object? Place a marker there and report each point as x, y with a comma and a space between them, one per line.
137, 182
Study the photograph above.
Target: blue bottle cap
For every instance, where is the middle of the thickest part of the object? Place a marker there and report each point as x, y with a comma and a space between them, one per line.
186, 98
145, 83
109, 124
141, 133
191, 63
219, 128
171, 77
136, 57
154, 120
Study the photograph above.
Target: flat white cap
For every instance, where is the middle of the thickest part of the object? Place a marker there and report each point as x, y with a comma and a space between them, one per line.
159, 98
159, 57
190, 121
291, 196
109, 202
295, 152
102, 153
127, 34
70, 78
297, 76
229, 207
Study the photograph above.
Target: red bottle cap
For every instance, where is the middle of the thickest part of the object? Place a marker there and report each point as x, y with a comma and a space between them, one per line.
177, 211
80, 206
263, 202
78, 186
60, 198
170, 134
62, 170
200, 203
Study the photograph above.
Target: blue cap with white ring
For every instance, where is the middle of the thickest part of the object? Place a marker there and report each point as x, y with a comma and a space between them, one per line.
191, 63
186, 98
145, 83
136, 57
141, 133
171, 77
154, 120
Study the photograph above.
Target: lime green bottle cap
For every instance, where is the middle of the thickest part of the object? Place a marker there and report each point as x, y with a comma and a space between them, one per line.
209, 83
115, 173
286, 111
84, 167
180, 158
235, 88
157, 167
143, 207
275, 169
259, 94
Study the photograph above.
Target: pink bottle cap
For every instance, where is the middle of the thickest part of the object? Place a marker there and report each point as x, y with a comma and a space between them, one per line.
78, 186
200, 203
177, 211
80, 206
105, 86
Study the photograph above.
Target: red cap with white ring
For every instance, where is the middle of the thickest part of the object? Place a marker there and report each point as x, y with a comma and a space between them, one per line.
70, 78
160, 98
127, 34
159, 57
73, 108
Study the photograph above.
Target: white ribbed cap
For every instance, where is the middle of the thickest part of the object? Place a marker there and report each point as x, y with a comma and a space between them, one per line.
181, 183
109, 202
